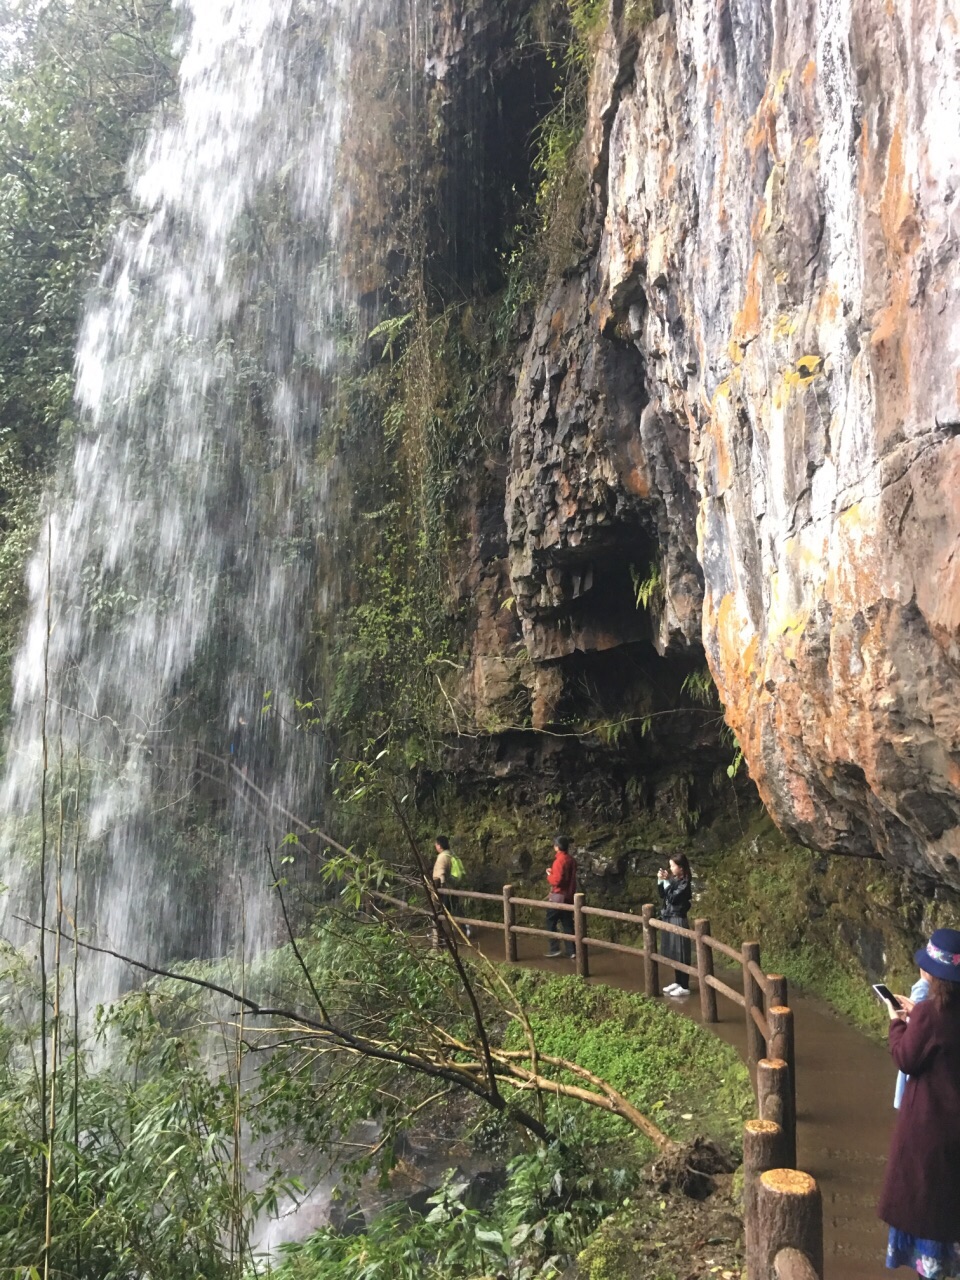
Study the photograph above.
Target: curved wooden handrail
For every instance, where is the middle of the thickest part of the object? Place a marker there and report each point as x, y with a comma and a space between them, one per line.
762, 1025
769, 1023
724, 990
764, 980
730, 952
770, 1048
471, 893
538, 903
624, 916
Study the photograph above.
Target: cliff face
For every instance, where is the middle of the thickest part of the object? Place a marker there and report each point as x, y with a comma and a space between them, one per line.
752, 381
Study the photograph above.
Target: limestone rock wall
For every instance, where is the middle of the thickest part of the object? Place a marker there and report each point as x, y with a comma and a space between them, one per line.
755, 377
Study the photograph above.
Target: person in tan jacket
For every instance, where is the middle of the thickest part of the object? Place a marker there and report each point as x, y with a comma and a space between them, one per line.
445, 869
442, 863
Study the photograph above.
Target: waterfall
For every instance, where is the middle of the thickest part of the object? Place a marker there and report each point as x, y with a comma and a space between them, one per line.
170, 590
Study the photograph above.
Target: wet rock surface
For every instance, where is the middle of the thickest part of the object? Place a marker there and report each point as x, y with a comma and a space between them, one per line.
752, 383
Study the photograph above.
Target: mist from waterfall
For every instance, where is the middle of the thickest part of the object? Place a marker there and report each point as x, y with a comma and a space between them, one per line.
170, 590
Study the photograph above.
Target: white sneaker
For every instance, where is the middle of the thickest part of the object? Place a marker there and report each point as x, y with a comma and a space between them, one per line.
672, 989
680, 992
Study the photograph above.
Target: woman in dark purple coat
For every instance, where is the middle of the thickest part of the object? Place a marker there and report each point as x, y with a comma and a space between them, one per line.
921, 1190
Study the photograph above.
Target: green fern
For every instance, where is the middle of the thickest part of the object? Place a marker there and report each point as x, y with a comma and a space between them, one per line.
390, 330
699, 687
648, 590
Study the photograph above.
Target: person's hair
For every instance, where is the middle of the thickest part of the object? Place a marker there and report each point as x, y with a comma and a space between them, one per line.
683, 862
443, 842
562, 843
944, 994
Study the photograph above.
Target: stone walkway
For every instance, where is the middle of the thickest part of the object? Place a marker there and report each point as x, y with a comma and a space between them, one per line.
845, 1110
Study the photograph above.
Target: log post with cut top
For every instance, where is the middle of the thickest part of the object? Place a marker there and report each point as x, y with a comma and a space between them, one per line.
775, 1102
789, 1216
780, 1019
777, 991
763, 1149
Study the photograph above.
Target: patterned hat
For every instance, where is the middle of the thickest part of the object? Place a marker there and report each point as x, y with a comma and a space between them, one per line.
941, 956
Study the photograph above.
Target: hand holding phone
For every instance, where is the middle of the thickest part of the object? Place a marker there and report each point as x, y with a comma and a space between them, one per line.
887, 996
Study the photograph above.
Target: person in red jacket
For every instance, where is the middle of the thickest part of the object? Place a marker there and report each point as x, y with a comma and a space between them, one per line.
921, 1191
562, 878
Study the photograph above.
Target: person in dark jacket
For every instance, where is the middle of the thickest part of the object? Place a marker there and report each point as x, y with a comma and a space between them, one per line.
562, 879
676, 894
920, 1201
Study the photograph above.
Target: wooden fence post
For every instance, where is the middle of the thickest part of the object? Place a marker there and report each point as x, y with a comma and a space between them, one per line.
762, 1150
789, 1216
509, 937
708, 996
753, 999
651, 970
777, 992
774, 1102
579, 936
781, 1046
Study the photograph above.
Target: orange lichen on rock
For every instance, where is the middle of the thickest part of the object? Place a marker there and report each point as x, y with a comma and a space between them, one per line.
898, 206
854, 575
746, 325
718, 411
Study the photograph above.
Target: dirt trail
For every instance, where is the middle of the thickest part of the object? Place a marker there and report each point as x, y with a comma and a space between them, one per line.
844, 1105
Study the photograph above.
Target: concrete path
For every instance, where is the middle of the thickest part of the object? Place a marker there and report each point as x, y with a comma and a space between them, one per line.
845, 1110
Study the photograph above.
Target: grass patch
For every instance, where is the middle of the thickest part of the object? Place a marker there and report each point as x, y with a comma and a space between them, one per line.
848, 992
685, 1079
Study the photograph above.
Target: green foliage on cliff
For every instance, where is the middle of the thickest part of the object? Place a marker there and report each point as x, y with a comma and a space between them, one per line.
417, 427
78, 82
555, 238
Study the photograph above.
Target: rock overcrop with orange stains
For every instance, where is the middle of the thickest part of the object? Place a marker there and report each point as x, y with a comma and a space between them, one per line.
753, 383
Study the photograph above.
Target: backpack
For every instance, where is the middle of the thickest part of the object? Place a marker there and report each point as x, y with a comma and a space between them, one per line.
456, 867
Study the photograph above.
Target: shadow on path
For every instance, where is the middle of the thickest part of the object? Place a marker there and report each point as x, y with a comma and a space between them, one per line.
845, 1110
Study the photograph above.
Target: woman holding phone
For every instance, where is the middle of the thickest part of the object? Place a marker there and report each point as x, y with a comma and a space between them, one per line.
676, 894
920, 1200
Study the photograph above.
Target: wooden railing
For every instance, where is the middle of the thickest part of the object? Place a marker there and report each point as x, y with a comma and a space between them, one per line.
782, 1209
768, 1018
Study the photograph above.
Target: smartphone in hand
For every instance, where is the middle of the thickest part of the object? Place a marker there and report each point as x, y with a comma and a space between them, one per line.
886, 995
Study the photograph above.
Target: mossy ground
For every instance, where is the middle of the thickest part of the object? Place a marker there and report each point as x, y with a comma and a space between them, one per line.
667, 1237
833, 925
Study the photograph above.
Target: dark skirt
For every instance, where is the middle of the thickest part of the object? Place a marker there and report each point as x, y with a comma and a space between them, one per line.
672, 946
